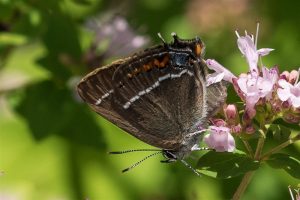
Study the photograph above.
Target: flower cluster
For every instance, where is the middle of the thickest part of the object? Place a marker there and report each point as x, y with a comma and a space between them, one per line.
266, 94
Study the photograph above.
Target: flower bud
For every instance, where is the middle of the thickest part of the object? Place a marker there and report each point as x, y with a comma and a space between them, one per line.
285, 75
286, 105
250, 129
218, 122
231, 114
293, 76
291, 118
248, 115
236, 129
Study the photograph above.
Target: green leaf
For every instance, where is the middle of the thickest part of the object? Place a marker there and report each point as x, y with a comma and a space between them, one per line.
280, 132
226, 165
283, 161
280, 121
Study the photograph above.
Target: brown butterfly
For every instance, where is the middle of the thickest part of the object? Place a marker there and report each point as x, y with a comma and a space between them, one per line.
158, 95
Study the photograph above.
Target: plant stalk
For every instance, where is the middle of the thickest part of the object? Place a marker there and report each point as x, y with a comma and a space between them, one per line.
260, 144
243, 185
249, 148
248, 176
281, 146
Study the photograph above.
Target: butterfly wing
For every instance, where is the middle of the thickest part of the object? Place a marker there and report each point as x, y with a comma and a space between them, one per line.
96, 89
150, 98
216, 96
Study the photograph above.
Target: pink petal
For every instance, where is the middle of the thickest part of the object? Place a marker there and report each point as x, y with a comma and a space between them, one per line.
297, 85
220, 139
237, 88
264, 51
217, 67
265, 87
284, 84
252, 100
295, 101
242, 84
271, 75
248, 49
283, 94
214, 78
250, 111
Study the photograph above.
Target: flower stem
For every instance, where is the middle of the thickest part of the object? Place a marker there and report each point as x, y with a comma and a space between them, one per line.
260, 145
281, 146
248, 176
249, 148
243, 185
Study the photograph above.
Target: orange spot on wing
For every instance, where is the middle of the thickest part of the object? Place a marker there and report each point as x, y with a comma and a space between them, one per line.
147, 67
164, 62
198, 49
156, 62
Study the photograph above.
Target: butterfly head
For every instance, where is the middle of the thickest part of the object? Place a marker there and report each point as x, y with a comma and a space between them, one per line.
196, 46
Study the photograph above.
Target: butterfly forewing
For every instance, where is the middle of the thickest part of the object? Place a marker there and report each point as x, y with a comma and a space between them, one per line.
152, 100
96, 89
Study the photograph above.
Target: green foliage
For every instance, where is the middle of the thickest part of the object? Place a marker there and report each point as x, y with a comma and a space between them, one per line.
283, 161
52, 146
226, 165
280, 132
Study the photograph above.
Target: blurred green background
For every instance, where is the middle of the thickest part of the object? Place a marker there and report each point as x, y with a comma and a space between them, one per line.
53, 147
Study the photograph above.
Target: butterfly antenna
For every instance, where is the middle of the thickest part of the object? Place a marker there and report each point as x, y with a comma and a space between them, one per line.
175, 37
162, 39
190, 167
132, 150
139, 162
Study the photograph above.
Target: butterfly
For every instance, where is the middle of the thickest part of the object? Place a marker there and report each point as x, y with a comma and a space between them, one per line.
158, 95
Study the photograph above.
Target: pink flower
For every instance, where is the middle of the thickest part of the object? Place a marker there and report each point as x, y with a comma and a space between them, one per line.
293, 77
288, 92
257, 84
252, 87
221, 73
271, 77
220, 139
247, 46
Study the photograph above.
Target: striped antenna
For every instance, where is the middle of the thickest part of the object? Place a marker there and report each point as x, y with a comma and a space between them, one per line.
190, 167
139, 162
